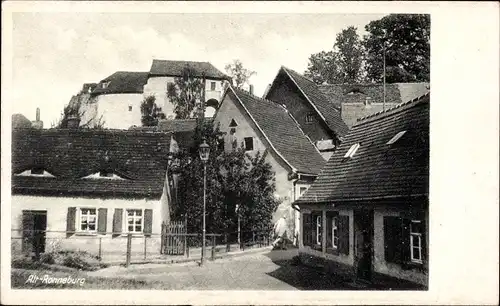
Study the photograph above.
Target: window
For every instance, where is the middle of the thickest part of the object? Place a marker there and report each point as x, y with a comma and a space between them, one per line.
310, 118
335, 233
396, 137
105, 84
233, 123
37, 171
134, 220
352, 150
416, 241
88, 219
318, 230
212, 85
130, 108
248, 143
106, 174
302, 190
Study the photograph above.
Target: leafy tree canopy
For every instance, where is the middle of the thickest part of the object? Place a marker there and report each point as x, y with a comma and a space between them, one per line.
407, 47
238, 73
342, 64
75, 110
186, 93
150, 112
232, 178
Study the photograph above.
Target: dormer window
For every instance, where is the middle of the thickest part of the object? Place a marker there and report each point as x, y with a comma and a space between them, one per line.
396, 137
233, 124
352, 150
310, 118
105, 84
107, 175
37, 172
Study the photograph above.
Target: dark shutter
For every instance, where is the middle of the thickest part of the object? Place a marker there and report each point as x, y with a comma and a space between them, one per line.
148, 222
343, 230
392, 239
117, 221
329, 232
306, 229
102, 216
71, 221
424, 240
405, 240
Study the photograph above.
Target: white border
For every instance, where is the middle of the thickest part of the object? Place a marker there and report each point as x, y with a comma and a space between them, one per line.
464, 157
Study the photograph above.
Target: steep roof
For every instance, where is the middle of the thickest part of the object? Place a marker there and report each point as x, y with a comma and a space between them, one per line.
377, 169
395, 93
122, 82
70, 155
175, 68
19, 121
330, 115
282, 131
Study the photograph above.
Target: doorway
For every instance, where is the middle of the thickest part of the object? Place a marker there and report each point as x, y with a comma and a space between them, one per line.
34, 227
363, 239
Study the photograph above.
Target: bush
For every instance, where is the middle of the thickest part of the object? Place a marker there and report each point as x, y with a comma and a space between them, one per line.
72, 259
47, 258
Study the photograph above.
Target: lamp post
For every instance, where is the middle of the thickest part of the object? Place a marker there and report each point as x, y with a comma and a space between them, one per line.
204, 154
238, 214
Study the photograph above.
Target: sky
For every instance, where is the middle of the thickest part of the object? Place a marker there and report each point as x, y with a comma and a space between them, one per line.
54, 53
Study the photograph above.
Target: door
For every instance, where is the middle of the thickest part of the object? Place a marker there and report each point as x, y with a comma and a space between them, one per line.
363, 235
34, 227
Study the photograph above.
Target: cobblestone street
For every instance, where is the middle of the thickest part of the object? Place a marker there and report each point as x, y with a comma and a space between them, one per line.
267, 270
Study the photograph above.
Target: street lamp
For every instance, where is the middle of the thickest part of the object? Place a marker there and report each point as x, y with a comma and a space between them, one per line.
204, 154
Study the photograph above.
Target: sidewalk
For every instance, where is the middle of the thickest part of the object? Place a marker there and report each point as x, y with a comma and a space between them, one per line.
194, 256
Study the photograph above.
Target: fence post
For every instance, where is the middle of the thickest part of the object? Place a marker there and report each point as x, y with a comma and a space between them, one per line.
145, 247
253, 238
129, 249
228, 246
100, 248
213, 247
185, 235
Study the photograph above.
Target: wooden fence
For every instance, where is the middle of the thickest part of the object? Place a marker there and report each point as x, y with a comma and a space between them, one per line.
174, 238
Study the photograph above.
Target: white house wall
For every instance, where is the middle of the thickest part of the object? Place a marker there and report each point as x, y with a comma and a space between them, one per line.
284, 187
157, 86
115, 110
57, 210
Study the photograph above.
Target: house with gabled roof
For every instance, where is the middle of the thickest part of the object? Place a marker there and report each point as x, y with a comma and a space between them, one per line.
83, 186
260, 125
309, 106
116, 99
366, 215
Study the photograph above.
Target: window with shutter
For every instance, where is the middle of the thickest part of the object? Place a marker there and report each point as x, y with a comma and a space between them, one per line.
117, 221
71, 221
317, 230
332, 233
102, 219
306, 229
148, 222
343, 229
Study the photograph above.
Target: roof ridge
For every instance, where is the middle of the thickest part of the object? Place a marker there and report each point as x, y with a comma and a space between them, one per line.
300, 74
379, 114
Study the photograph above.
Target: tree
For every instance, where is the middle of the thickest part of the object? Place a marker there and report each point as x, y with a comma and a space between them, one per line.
150, 112
75, 110
238, 73
343, 64
186, 93
407, 48
232, 178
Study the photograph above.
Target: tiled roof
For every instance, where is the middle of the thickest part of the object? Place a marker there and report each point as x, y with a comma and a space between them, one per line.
177, 125
175, 68
19, 121
123, 82
319, 101
71, 155
282, 131
395, 93
378, 170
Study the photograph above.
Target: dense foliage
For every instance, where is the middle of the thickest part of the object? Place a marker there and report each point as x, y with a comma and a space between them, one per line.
150, 112
232, 178
405, 38
186, 93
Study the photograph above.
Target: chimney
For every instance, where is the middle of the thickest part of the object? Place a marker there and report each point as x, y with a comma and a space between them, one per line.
37, 124
73, 122
251, 89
